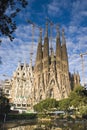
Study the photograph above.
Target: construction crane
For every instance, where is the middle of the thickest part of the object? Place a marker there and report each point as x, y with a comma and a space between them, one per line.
51, 25
33, 27
83, 72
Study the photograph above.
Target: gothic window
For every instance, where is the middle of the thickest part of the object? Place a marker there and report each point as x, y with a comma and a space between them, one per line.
31, 81
51, 93
7, 91
52, 82
40, 97
21, 67
28, 105
18, 105
24, 105
23, 73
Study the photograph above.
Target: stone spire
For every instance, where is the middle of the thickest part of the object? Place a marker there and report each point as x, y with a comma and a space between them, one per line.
40, 36
63, 37
39, 52
46, 48
46, 43
58, 32
58, 44
46, 32
64, 49
39, 49
76, 79
19, 65
25, 65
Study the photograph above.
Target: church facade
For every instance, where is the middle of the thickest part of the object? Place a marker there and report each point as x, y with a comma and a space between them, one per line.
48, 78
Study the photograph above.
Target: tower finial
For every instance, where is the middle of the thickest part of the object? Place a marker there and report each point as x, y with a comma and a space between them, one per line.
58, 32
63, 31
40, 35
46, 33
19, 64
63, 37
51, 48
24, 62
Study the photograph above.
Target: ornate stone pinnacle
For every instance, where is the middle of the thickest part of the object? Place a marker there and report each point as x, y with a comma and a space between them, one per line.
63, 37
46, 33
58, 32
40, 38
63, 31
40, 32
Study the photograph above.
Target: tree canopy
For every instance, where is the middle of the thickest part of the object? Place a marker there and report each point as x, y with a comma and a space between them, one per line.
46, 105
4, 104
78, 96
64, 104
8, 10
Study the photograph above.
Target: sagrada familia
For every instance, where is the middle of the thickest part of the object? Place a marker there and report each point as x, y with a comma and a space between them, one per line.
48, 78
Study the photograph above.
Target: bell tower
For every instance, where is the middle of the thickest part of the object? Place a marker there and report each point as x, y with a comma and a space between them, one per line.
64, 49
58, 45
46, 50
38, 65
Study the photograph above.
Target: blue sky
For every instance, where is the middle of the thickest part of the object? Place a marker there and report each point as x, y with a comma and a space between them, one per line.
69, 14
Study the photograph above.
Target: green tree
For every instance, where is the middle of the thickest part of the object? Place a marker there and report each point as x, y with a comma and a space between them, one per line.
8, 10
83, 110
4, 104
78, 99
78, 96
46, 105
64, 104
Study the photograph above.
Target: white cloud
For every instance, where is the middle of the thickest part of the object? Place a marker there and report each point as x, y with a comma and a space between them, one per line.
76, 40
79, 10
84, 13
19, 49
55, 8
